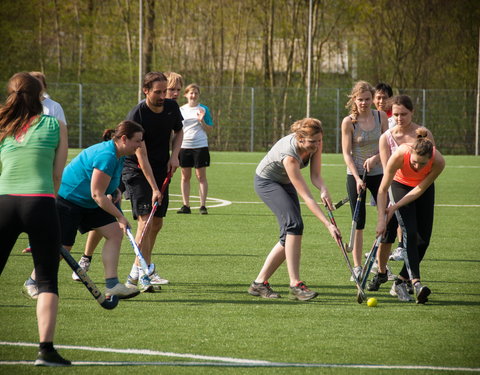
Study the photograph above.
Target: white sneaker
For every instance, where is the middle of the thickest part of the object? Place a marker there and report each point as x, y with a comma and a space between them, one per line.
85, 264
400, 291
398, 254
145, 286
121, 291
155, 278
30, 290
357, 271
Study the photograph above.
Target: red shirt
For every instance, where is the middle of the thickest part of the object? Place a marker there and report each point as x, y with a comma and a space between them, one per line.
410, 177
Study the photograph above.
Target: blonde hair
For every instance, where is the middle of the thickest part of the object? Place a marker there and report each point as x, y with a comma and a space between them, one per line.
173, 79
41, 77
306, 127
190, 87
359, 88
423, 146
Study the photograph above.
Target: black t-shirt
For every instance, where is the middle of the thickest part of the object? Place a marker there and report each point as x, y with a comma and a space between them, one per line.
158, 128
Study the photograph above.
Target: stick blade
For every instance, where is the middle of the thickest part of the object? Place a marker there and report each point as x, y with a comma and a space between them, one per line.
110, 302
361, 297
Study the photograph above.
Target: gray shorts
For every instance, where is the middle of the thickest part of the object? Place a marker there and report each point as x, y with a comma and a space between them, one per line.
282, 199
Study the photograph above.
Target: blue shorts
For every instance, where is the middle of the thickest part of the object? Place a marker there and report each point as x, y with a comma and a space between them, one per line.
282, 199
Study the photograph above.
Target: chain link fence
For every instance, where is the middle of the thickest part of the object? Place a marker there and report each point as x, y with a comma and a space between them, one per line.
252, 119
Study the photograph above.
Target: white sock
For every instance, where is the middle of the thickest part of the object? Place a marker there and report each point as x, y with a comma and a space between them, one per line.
134, 272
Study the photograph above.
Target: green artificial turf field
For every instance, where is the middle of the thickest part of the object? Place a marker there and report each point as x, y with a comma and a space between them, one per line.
204, 322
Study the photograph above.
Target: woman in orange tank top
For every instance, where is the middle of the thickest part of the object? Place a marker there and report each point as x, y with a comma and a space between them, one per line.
410, 172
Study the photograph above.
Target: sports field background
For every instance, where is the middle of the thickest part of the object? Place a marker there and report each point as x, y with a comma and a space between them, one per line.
206, 310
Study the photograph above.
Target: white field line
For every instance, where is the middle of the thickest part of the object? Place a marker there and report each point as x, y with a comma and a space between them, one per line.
330, 165
217, 202
222, 361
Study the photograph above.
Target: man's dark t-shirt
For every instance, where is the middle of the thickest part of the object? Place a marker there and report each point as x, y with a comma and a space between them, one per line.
158, 128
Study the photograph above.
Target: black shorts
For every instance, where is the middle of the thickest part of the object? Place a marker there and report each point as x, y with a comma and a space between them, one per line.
73, 218
139, 192
194, 157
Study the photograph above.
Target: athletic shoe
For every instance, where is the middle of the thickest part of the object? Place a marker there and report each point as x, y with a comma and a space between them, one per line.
409, 287
144, 287
397, 254
357, 271
421, 292
121, 291
378, 279
184, 210
203, 210
51, 359
301, 292
85, 264
30, 289
155, 278
27, 250
400, 291
262, 290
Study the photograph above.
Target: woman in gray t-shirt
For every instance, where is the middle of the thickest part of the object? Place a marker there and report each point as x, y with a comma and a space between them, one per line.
278, 179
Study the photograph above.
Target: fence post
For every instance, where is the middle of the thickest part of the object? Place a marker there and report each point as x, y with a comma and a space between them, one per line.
252, 119
80, 117
424, 106
337, 130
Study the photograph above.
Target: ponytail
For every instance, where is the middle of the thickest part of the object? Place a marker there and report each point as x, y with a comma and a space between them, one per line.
423, 146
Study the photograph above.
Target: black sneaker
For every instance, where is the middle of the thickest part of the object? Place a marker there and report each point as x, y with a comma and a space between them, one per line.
301, 292
184, 210
262, 290
422, 292
378, 279
203, 210
51, 359
409, 287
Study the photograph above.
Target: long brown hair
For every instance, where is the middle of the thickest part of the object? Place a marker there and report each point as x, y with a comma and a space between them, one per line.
22, 103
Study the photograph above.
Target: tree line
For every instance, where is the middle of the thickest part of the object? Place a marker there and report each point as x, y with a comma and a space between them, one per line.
408, 43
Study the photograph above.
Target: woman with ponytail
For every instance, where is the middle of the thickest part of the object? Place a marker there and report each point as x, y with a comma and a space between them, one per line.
33, 152
410, 172
83, 202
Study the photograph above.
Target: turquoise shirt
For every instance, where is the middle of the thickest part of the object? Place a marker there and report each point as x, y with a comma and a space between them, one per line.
77, 176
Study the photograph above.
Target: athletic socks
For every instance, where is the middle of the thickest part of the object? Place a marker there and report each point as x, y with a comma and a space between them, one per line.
111, 282
134, 274
89, 257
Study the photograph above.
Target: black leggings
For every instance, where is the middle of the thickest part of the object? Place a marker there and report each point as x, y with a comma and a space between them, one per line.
36, 216
416, 221
372, 183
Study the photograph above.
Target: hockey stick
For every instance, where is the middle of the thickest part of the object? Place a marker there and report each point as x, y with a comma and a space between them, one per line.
107, 303
143, 263
341, 203
155, 206
356, 214
360, 293
369, 262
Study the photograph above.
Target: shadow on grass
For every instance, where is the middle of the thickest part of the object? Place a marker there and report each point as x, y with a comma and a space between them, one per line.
454, 260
